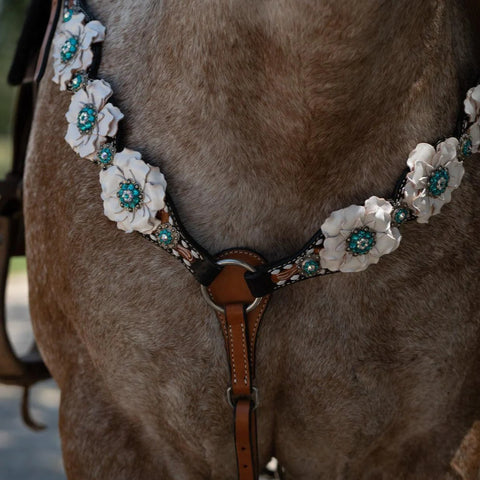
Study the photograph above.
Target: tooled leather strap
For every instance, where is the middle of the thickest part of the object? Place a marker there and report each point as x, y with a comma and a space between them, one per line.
240, 330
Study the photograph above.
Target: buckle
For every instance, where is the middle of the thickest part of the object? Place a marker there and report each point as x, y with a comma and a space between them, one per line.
253, 397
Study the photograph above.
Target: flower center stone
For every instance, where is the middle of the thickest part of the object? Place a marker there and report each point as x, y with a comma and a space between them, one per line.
87, 118
361, 241
438, 182
167, 236
400, 215
67, 16
77, 82
310, 266
105, 156
69, 49
466, 146
130, 195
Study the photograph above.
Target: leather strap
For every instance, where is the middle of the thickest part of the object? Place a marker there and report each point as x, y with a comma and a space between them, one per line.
42, 59
33, 47
29, 369
240, 330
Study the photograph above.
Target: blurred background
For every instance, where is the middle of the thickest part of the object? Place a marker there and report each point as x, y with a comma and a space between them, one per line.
24, 455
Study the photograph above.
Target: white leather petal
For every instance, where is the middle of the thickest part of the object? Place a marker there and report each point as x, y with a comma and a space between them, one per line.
474, 132
113, 210
387, 242
472, 103
156, 196
378, 212
122, 158
357, 264
423, 152
116, 115
143, 221
103, 123
73, 136
99, 91
94, 33
110, 180
342, 219
88, 147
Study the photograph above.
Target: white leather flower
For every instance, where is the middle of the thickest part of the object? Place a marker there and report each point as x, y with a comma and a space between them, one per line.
357, 236
472, 103
91, 119
434, 175
71, 47
133, 192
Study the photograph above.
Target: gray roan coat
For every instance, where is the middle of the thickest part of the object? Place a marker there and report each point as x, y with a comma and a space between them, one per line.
265, 116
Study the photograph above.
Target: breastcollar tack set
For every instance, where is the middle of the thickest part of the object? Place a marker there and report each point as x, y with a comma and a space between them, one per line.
237, 283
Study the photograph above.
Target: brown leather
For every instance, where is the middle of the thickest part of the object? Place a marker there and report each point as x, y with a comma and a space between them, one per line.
238, 349
47, 39
466, 462
240, 331
245, 440
230, 287
28, 369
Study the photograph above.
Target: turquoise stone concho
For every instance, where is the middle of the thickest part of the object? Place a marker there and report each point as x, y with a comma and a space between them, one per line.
69, 50
67, 15
438, 182
308, 265
466, 146
105, 155
130, 195
78, 81
400, 215
361, 241
87, 118
167, 236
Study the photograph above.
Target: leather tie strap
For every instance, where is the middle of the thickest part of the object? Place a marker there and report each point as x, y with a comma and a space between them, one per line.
241, 395
240, 330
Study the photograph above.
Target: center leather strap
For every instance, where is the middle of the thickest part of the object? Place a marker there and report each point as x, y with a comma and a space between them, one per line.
240, 330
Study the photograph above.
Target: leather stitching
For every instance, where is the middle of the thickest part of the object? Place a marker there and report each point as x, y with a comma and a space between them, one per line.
245, 356
232, 356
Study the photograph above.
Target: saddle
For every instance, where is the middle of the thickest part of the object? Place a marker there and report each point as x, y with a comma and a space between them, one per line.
26, 72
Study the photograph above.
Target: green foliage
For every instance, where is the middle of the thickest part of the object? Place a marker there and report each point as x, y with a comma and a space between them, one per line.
5, 155
11, 20
12, 14
17, 265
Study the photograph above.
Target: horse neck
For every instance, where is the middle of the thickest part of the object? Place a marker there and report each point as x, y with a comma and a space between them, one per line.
271, 114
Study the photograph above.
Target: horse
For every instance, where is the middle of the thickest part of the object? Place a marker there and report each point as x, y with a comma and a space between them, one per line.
265, 116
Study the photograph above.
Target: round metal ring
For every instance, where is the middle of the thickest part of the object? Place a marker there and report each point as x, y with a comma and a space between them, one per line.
237, 263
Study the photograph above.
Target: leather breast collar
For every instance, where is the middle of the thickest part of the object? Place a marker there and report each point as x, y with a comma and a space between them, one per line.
238, 282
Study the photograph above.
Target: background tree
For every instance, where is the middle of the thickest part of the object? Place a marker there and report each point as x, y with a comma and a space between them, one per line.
11, 19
